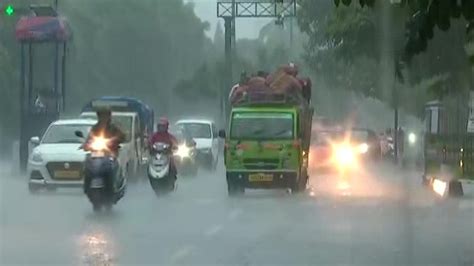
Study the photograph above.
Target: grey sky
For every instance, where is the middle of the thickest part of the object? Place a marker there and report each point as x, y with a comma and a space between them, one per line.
245, 28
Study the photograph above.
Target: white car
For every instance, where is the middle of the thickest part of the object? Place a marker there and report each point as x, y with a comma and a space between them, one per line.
206, 137
57, 161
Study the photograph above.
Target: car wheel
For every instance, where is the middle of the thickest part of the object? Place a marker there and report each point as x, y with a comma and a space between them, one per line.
33, 188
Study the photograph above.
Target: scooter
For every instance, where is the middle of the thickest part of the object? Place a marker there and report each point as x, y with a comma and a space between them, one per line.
162, 180
103, 183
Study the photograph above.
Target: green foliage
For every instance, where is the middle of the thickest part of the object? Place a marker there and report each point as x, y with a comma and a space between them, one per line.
118, 48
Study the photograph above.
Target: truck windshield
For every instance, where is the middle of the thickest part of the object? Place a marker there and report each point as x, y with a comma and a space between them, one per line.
260, 125
125, 124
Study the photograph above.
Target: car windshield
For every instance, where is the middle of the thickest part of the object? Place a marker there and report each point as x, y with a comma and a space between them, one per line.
261, 125
196, 130
65, 134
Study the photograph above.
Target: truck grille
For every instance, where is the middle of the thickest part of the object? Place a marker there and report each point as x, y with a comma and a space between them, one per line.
65, 170
261, 164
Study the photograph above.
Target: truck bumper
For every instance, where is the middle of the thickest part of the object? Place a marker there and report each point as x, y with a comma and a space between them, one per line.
279, 179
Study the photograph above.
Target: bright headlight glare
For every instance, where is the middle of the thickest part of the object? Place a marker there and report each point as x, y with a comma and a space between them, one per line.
99, 144
363, 148
344, 155
182, 151
439, 187
412, 137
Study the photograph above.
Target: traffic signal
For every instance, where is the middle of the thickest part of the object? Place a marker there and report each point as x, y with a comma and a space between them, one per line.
9, 10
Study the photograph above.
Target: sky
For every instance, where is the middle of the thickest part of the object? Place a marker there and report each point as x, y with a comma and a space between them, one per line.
245, 27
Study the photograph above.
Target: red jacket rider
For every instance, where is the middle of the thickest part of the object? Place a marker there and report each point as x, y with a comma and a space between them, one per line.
162, 134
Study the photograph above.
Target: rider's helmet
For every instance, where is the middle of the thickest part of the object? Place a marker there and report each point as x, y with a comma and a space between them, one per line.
163, 125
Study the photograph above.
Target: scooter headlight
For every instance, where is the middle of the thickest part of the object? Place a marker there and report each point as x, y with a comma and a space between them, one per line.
99, 144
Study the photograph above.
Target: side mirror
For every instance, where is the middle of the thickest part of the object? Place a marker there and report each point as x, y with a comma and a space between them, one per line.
79, 134
222, 134
35, 141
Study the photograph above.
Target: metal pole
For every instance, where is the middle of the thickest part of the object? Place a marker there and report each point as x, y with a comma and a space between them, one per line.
30, 77
56, 74
23, 153
234, 9
63, 77
228, 63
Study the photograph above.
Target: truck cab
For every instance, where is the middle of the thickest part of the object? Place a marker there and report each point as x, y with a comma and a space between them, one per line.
265, 148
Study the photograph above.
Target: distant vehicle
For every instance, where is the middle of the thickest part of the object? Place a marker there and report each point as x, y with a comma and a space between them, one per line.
321, 157
367, 141
205, 134
185, 155
56, 161
267, 143
341, 150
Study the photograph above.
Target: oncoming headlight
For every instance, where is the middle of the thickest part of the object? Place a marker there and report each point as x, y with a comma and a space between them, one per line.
183, 151
363, 148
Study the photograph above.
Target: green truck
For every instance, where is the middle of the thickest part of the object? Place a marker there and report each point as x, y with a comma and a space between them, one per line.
267, 144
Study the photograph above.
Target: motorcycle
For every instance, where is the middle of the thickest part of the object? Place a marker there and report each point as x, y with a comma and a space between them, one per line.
161, 178
103, 183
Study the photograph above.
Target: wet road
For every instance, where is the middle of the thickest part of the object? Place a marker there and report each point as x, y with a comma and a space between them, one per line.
386, 219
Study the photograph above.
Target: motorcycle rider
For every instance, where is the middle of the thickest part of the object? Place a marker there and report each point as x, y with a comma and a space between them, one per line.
106, 129
162, 135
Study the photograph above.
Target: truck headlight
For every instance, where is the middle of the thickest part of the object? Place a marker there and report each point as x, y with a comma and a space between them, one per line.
36, 157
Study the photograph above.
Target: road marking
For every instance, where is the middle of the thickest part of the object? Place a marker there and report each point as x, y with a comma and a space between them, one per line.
213, 230
181, 253
234, 214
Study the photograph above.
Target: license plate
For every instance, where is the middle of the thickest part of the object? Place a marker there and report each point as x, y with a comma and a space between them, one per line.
260, 177
98, 154
97, 183
67, 174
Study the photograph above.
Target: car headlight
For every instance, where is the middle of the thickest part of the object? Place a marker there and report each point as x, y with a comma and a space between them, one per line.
183, 151
363, 148
344, 155
36, 157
